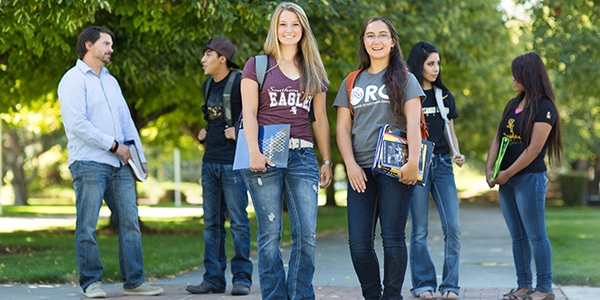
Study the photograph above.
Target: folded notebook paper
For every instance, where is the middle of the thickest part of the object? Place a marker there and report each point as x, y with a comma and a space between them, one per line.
273, 142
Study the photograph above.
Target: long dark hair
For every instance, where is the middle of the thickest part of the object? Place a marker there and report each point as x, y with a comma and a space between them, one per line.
395, 75
417, 57
529, 70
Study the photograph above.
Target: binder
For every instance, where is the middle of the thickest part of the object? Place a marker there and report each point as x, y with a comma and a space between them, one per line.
273, 142
135, 163
392, 153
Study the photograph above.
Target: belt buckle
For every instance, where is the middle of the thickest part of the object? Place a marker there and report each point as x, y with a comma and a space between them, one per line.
294, 143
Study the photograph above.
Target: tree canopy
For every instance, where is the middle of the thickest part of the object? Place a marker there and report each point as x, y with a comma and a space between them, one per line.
159, 43
567, 35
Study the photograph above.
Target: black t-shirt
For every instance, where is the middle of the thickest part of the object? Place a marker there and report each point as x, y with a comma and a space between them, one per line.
511, 128
218, 148
435, 123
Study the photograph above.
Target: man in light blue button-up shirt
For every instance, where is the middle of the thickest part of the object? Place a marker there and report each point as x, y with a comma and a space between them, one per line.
97, 123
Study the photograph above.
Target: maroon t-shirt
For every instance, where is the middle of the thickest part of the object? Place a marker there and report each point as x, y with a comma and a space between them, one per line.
280, 100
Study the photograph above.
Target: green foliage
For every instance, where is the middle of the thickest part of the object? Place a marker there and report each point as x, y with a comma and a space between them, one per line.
566, 35
476, 52
158, 48
573, 187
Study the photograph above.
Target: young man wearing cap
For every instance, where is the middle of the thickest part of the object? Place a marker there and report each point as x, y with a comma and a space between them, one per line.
223, 189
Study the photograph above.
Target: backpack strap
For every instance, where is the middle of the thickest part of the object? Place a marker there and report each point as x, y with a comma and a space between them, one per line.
227, 97
423, 127
440, 104
349, 86
205, 88
261, 64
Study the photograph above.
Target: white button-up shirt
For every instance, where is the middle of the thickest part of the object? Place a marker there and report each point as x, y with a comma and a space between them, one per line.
95, 114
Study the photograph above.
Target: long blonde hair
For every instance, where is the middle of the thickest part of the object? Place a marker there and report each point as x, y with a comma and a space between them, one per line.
313, 75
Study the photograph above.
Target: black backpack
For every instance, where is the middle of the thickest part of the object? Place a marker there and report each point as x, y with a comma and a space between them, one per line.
262, 64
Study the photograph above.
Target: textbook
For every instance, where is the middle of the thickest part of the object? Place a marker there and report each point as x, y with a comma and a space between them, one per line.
392, 153
135, 163
273, 142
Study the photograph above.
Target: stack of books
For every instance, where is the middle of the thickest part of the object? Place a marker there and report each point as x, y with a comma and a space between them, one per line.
392, 153
135, 163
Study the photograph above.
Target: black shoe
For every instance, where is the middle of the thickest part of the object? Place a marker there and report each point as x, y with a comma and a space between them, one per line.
240, 290
203, 288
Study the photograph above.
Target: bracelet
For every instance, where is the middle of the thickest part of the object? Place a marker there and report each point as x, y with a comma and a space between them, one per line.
327, 162
115, 147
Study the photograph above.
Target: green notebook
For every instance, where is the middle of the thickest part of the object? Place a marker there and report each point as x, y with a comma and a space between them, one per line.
503, 146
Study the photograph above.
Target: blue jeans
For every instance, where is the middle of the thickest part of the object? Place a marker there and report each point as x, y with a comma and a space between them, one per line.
298, 184
386, 200
523, 200
224, 191
93, 182
442, 187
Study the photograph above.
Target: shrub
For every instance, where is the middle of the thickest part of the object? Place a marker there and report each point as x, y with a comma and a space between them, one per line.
573, 186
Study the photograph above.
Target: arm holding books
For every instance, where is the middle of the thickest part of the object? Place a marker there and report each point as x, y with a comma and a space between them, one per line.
492, 155
249, 90
409, 172
539, 135
122, 151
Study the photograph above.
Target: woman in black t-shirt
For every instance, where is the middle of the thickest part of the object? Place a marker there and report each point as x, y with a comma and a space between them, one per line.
531, 125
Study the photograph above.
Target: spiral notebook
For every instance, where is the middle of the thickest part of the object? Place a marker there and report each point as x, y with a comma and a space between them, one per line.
273, 142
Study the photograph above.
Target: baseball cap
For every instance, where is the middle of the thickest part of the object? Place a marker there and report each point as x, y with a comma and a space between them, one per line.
223, 47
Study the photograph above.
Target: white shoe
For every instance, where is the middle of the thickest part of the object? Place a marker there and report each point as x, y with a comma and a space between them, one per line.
144, 289
95, 290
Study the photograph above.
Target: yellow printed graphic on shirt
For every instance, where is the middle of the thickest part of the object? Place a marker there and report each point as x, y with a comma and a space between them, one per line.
511, 128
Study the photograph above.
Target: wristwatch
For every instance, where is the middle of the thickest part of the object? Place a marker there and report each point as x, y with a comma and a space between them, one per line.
327, 162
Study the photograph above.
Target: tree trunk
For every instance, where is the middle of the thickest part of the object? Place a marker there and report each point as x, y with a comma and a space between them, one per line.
15, 159
19, 185
330, 191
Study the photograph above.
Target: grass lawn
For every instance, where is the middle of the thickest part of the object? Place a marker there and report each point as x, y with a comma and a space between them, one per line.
575, 238
48, 256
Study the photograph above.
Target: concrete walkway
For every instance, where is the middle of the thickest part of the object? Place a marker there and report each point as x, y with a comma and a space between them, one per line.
486, 272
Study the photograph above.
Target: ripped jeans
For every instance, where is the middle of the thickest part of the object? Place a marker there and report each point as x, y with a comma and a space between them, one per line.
298, 184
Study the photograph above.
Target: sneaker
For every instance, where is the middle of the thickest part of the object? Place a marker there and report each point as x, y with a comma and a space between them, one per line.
204, 288
144, 289
240, 290
95, 290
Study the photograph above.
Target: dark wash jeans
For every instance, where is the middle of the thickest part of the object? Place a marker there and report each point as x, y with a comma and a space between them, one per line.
385, 200
224, 191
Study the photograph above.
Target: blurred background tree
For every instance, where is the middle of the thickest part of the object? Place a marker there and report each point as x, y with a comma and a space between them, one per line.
567, 35
159, 45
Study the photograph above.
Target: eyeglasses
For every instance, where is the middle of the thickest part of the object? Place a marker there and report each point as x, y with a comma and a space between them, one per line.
382, 36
